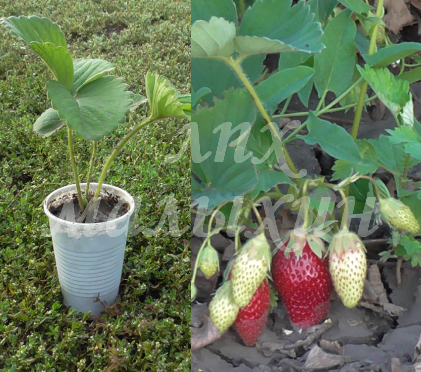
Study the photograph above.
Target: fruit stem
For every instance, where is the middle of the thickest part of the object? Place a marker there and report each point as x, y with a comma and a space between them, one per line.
376, 187
345, 211
235, 65
256, 212
306, 211
205, 242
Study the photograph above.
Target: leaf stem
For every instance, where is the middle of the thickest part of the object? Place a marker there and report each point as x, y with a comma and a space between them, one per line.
237, 69
91, 167
118, 149
75, 171
405, 171
287, 102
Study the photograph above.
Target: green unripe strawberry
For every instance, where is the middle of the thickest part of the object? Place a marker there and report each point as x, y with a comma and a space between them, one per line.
398, 215
250, 269
347, 266
223, 310
209, 261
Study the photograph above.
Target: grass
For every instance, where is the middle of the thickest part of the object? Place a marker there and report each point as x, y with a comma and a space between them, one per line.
148, 329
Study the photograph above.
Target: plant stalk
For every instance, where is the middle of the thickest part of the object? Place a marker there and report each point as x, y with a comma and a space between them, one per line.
237, 69
91, 167
75, 171
371, 50
118, 149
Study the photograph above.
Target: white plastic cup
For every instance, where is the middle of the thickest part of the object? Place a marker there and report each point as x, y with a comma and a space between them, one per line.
89, 256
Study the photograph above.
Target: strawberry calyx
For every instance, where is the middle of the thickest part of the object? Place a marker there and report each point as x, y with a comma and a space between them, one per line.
297, 239
345, 240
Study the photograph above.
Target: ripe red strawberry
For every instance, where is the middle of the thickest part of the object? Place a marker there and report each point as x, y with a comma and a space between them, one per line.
251, 319
303, 282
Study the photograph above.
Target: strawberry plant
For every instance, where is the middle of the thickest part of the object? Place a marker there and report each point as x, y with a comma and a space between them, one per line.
338, 50
86, 100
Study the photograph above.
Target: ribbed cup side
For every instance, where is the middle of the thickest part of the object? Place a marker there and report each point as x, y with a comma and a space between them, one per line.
89, 257
86, 274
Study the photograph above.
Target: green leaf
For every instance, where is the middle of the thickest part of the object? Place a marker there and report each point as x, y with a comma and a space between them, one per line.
413, 201
385, 56
321, 200
261, 142
360, 191
362, 42
335, 65
96, 110
393, 92
357, 6
212, 39
219, 77
414, 149
366, 165
204, 10
410, 245
250, 45
282, 84
304, 94
36, 30
268, 179
59, 60
87, 70
197, 96
288, 60
276, 20
46, 39
332, 138
322, 9
48, 123
390, 156
411, 76
162, 97
402, 135
222, 176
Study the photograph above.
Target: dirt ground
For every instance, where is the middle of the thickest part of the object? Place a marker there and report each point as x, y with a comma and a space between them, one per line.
380, 335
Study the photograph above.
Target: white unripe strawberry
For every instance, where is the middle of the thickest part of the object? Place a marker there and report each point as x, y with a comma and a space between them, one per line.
222, 309
250, 268
348, 266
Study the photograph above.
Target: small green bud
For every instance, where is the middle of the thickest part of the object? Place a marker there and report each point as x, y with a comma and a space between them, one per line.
209, 261
398, 215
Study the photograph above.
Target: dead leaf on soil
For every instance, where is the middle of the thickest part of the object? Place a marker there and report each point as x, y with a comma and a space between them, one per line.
205, 335
416, 3
416, 360
375, 294
285, 347
331, 346
398, 15
319, 359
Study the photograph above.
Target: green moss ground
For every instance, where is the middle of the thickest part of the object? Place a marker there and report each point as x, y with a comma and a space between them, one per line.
148, 330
